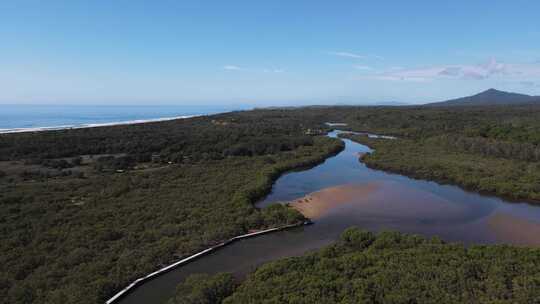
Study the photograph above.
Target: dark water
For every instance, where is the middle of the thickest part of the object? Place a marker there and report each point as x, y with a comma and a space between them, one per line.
396, 203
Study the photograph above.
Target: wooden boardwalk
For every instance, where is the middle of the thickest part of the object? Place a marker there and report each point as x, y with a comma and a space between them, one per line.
190, 258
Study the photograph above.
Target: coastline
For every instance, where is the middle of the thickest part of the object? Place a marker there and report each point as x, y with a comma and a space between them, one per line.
95, 125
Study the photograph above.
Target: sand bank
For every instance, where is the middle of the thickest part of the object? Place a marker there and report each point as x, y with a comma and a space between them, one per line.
384, 201
512, 229
317, 204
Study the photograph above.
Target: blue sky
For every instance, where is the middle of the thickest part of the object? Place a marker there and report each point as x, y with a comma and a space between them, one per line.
265, 52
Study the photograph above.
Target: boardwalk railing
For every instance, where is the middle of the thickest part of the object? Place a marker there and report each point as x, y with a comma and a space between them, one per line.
190, 258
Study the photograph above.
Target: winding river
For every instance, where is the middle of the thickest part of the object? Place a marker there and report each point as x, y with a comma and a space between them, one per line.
369, 199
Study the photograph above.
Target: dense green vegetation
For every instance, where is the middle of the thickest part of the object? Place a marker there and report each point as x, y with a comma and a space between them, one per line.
491, 149
86, 211
199, 138
438, 158
388, 268
494, 149
204, 289
72, 238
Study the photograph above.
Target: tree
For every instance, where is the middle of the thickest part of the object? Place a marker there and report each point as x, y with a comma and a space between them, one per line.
204, 289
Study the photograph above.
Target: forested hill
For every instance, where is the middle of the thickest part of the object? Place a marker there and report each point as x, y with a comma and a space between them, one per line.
490, 97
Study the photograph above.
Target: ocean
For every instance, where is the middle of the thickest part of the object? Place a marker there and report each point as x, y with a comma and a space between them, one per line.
20, 118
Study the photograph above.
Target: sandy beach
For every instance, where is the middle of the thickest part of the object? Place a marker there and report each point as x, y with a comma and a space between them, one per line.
92, 125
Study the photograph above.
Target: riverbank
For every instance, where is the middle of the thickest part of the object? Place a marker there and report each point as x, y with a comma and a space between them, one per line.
442, 179
392, 267
430, 160
124, 226
396, 203
197, 255
271, 175
248, 196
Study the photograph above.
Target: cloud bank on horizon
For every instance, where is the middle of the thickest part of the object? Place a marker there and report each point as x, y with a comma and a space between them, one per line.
265, 53
512, 72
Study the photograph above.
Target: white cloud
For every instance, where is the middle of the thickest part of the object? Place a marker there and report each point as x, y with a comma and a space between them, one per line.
398, 78
355, 56
264, 70
349, 55
232, 68
516, 72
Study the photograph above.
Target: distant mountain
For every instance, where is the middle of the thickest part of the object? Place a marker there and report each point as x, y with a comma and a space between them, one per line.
490, 97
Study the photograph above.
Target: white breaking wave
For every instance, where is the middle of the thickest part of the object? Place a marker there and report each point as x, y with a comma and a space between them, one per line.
93, 125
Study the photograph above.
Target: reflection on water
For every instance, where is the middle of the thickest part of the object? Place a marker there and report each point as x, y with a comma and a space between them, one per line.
396, 203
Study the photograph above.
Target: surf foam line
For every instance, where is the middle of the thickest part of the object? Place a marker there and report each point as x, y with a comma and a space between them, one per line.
94, 125
191, 258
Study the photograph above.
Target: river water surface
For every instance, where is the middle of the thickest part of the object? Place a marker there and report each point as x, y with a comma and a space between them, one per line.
369, 199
